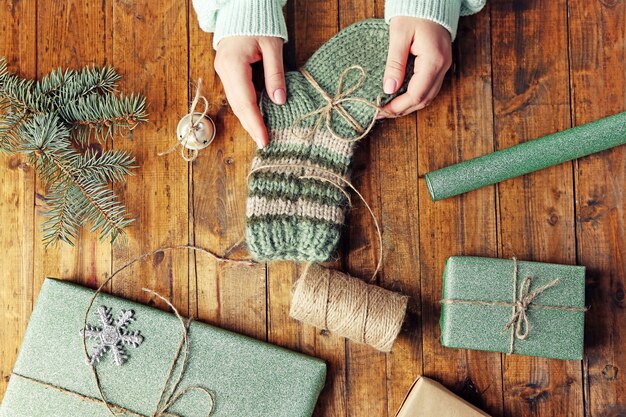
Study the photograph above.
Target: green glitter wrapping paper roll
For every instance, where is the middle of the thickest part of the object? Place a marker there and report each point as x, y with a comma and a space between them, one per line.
553, 333
527, 157
248, 378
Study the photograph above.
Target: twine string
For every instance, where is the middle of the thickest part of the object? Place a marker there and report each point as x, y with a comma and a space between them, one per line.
163, 404
519, 324
170, 393
187, 154
347, 306
324, 113
336, 181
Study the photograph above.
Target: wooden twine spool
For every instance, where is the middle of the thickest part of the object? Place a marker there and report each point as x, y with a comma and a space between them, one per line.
347, 306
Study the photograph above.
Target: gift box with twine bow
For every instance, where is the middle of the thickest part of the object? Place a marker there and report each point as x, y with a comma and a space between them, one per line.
511, 306
149, 363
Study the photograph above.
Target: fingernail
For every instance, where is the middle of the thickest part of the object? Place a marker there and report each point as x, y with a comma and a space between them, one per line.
390, 86
280, 96
380, 116
259, 143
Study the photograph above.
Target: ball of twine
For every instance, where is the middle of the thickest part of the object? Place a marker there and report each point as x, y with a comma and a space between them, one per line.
347, 306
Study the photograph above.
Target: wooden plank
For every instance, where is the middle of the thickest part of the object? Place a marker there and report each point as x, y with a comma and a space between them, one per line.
536, 217
233, 297
366, 382
150, 51
17, 182
310, 23
63, 43
598, 79
395, 142
458, 126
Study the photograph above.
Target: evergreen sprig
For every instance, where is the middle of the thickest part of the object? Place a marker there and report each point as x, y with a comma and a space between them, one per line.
52, 121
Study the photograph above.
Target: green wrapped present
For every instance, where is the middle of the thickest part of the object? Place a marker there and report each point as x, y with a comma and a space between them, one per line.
510, 306
135, 350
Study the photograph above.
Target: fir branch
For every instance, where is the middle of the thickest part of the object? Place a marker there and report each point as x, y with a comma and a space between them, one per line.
61, 224
53, 82
68, 86
43, 119
48, 144
22, 94
104, 116
106, 166
10, 123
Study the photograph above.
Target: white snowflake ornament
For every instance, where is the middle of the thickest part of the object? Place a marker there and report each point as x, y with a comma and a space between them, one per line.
112, 336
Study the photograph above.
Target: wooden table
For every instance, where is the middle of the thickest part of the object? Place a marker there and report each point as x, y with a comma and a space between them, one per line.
522, 69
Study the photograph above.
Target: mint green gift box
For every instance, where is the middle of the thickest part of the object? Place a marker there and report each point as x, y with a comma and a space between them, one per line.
246, 377
479, 303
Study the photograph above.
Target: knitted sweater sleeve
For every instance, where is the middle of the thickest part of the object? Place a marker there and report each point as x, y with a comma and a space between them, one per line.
241, 18
444, 12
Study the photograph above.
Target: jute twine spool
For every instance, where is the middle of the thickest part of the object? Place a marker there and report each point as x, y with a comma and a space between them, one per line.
349, 307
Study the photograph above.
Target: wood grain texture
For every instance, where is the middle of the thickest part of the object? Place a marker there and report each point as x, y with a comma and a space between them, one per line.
366, 381
150, 51
522, 69
17, 190
465, 225
536, 212
598, 80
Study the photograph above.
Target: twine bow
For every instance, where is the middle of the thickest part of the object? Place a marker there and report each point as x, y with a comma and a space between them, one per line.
519, 324
187, 153
170, 393
324, 113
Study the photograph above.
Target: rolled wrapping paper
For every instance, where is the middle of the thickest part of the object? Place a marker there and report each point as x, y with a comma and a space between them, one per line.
527, 157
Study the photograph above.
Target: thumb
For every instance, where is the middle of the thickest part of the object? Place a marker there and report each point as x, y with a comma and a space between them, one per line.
399, 45
274, 71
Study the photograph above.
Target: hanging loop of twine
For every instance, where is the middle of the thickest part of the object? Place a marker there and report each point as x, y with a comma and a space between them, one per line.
336, 181
324, 113
188, 154
519, 324
166, 400
170, 394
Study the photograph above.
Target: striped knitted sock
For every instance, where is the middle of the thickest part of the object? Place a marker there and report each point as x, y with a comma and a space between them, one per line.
295, 218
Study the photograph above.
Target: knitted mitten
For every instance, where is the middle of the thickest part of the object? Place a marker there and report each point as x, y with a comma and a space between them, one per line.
296, 196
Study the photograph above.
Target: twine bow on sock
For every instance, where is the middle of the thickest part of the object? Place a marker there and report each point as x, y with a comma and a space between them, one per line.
519, 325
324, 113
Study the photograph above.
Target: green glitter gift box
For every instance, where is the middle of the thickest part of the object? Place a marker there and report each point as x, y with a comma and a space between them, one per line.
133, 347
510, 306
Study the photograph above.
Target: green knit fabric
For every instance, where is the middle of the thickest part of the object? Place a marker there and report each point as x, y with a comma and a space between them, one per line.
264, 17
295, 218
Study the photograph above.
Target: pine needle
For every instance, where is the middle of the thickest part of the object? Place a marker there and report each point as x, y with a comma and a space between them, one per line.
51, 121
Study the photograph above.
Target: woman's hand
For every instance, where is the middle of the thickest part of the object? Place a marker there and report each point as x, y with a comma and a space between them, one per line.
432, 46
233, 63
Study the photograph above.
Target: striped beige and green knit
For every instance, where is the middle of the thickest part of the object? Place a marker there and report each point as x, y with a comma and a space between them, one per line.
296, 218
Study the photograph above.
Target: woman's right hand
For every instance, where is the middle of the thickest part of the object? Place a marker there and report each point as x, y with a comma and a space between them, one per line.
233, 63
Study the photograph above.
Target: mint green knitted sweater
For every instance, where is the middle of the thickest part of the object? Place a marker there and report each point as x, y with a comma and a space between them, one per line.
265, 17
